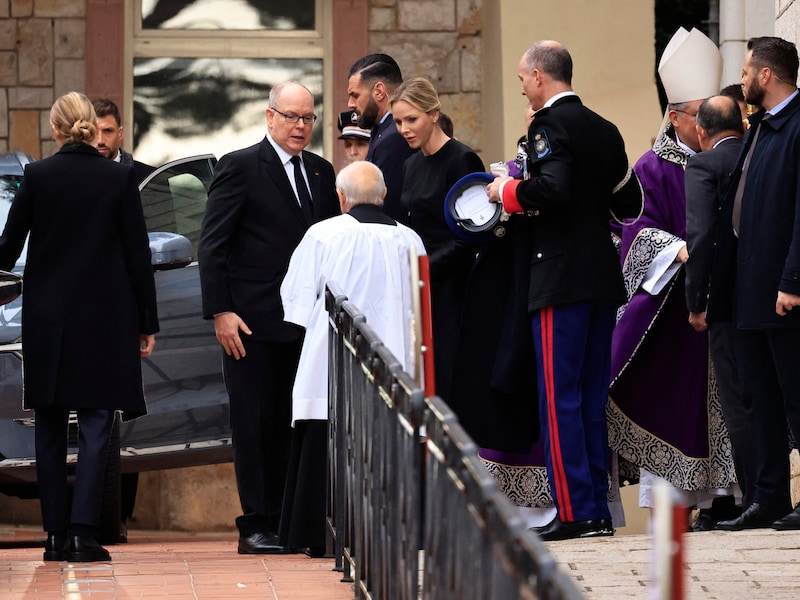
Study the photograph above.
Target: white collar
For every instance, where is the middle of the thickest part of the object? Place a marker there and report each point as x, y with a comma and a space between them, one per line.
558, 97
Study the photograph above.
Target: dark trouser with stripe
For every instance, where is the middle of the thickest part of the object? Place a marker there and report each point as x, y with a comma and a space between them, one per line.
573, 355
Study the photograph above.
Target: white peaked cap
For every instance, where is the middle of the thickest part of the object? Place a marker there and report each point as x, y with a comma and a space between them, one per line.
691, 67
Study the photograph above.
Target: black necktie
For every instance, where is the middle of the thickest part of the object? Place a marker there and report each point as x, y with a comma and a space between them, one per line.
302, 191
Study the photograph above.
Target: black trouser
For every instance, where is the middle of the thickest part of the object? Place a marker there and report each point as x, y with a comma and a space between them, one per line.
260, 391
769, 374
94, 431
722, 343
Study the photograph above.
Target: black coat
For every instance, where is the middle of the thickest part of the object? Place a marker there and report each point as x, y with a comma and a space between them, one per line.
251, 226
494, 385
88, 284
707, 179
768, 256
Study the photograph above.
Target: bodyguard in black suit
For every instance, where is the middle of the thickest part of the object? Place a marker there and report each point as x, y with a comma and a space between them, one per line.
261, 202
371, 84
89, 313
110, 136
708, 175
766, 217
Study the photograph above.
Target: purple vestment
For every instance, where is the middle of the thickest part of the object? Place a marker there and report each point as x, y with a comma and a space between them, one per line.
663, 411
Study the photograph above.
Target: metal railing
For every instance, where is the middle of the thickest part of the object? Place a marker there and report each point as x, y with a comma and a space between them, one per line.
412, 515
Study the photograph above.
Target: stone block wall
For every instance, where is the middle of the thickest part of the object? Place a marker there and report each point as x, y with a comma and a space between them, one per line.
787, 21
441, 41
42, 55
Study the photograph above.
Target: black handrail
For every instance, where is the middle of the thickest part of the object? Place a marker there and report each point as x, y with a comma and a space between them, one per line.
412, 511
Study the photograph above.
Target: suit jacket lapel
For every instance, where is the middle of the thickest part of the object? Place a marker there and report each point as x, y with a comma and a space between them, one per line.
276, 171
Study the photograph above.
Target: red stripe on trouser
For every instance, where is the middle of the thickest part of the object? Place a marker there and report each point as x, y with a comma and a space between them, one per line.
556, 459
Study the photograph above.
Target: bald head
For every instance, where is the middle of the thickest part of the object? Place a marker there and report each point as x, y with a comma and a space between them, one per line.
360, 182
718, 117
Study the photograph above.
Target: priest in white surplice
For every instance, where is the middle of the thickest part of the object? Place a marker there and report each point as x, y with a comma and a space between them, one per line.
366, 254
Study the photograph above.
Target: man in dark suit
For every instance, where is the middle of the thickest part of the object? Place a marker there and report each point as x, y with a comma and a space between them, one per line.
578, 173
108, 141
371, 84
766, 217
707, 178
110, 136
262, 200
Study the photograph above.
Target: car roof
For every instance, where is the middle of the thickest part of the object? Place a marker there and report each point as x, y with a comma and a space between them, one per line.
13, 163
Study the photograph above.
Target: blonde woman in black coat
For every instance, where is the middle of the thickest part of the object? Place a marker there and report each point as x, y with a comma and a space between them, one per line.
89, 314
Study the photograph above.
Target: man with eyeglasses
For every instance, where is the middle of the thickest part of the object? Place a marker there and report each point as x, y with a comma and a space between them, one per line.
261, 201
371, 84
664, 414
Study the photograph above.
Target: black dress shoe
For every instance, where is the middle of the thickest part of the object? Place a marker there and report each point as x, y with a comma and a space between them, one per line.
542, 528
261, 543
705, 520
789, 522
315, 552
55, 546
85, 549
755, 517
568, 530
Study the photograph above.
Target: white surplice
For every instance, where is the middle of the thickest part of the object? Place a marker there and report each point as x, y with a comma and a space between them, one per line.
370, 264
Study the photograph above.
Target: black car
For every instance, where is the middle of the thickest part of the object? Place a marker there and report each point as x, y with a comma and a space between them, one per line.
188, 416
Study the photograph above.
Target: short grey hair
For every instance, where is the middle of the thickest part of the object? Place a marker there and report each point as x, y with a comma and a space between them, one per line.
277, 90
361, 182
552, 59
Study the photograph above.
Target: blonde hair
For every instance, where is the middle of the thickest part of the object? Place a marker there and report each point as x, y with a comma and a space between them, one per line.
73, 116
419, 93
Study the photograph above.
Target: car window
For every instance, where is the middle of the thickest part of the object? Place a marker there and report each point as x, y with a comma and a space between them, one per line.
174, 197
9, 184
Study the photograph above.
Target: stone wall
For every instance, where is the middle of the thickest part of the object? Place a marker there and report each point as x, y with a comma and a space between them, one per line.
439, 40
787, 22
42, 55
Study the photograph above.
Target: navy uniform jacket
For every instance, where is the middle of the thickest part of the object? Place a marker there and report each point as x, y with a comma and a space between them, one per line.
577, 160
769, 232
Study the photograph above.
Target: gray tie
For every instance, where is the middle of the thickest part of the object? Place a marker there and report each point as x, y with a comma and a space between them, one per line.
737, 199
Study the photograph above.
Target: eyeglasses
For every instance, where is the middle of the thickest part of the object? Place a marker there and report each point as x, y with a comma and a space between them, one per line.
290, 118
686, 112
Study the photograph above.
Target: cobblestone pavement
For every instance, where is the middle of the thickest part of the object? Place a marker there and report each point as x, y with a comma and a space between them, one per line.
758, 564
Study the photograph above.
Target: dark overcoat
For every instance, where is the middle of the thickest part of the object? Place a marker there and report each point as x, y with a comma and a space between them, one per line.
769, 240
88, 283
494, 381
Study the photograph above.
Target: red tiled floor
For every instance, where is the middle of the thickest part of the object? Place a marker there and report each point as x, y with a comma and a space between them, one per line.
164, 564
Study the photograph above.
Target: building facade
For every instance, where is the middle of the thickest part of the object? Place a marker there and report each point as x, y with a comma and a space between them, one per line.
192, 76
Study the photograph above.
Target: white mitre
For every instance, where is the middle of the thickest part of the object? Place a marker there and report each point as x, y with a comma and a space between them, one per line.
690, 67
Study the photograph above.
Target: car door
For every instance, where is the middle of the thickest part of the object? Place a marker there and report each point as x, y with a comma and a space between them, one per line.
188, 417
